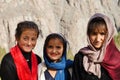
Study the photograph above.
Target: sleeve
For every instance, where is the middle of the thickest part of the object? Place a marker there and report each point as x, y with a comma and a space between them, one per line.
8, 69
0, 71
78, 72
76, 68
104, 74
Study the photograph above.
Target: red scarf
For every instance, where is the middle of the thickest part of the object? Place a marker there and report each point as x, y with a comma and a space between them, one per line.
23, 70
111, 61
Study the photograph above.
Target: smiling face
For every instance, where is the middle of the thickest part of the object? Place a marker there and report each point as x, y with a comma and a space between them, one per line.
98, 36
27, 40
97, 32
54, 49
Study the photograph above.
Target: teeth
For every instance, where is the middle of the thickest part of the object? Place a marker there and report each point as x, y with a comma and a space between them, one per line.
55, 53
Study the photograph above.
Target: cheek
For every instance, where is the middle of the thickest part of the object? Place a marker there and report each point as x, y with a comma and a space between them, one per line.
48, 50
61, 52
104, 38
34, 43
91, 38
21, 42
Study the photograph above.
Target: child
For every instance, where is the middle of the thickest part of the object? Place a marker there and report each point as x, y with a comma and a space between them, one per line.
21, 63
100, 60
55, 66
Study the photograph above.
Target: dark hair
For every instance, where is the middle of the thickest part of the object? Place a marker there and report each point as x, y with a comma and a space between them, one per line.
54, 36
25, 25
94, 23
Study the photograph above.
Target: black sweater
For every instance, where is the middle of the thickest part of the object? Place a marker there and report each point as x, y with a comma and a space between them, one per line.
8, 68
79, 72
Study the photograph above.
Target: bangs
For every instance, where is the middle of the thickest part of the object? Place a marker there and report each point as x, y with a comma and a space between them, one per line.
97, 25
99, 28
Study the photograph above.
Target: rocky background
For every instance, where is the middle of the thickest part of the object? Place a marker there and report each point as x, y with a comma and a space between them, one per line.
68, 17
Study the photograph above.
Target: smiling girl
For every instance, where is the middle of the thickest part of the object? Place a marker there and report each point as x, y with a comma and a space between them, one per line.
56, 65
21, 62
100, 60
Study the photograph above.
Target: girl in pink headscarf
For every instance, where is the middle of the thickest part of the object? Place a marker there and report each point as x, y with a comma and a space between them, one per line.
100, 60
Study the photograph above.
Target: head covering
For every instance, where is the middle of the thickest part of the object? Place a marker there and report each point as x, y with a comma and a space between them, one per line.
107, 55
61, 65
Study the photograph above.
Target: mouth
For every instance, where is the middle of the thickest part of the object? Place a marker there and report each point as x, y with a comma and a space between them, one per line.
54, 54
97, 43
28, 47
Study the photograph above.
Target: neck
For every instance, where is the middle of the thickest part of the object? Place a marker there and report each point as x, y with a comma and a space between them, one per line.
52, 72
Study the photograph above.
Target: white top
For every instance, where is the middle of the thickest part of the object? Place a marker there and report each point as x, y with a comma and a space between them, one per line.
42, 68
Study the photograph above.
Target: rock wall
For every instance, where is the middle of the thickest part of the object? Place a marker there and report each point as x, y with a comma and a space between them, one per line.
68, 17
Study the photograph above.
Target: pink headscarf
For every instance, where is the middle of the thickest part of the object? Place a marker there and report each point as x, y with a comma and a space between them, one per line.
108, 55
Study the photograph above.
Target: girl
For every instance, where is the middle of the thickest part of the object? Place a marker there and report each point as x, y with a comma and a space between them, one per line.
21, 63
55, 66
100, 60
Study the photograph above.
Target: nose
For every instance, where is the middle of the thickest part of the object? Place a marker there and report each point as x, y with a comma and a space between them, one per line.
29, 42
98, 38
54, 50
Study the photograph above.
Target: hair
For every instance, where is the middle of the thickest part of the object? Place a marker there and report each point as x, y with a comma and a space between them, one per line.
54, 36
25, 25
95, 23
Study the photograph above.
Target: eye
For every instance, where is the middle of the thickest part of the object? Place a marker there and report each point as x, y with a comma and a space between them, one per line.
49, 46
34, 39
25, 38
102, 33
58, 47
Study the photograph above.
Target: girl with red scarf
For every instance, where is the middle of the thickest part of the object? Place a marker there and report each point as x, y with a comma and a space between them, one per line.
21, 62
100, 60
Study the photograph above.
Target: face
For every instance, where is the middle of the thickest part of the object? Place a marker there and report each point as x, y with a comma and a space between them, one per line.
98, 36
54, 49
27, 40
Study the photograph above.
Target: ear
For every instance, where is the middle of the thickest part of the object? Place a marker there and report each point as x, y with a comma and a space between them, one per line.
16, 38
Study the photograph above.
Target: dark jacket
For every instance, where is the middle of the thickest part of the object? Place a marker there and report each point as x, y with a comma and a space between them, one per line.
8, 68
79, 72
